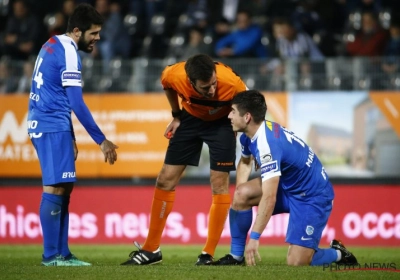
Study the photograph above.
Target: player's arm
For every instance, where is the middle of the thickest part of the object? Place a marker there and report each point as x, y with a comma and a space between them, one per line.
83, 114
243, 170
264, 213
267, 203
86, 119
173, 101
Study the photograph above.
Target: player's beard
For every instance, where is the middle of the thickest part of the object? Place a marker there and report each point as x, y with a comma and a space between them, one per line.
84, 45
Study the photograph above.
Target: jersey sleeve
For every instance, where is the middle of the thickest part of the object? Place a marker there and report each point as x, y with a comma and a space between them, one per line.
164, 77
269, 156
244, 142
240, 85
71, 74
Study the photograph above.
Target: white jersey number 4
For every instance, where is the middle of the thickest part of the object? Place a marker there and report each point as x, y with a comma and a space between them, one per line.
37, 74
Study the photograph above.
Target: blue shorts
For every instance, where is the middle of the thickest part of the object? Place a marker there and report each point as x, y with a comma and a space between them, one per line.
56, 156
307, 218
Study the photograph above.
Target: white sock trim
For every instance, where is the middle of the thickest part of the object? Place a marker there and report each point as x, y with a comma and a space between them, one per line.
339, 255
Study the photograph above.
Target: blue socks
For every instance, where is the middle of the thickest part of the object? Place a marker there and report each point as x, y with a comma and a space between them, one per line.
63, 248
50, 218
240, 223
324, 256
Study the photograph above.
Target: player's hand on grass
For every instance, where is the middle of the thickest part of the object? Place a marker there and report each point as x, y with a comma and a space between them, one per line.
109, 150
252, 252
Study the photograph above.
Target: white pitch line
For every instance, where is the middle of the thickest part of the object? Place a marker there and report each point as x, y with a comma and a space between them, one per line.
391, 108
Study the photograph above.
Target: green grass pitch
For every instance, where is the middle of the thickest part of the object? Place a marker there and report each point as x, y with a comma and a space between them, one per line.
23, 262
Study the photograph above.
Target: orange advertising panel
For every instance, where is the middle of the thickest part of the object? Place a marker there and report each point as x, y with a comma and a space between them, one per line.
277, 107
136, 123
389, 104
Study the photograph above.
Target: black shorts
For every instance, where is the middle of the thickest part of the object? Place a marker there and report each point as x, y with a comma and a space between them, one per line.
186, 145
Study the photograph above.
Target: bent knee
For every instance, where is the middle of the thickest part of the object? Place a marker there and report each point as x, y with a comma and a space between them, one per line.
298, 260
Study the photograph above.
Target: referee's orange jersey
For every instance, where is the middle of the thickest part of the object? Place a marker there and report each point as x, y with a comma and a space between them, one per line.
208, 109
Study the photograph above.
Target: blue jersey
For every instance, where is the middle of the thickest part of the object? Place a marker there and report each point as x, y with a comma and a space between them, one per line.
279, 152
57, 66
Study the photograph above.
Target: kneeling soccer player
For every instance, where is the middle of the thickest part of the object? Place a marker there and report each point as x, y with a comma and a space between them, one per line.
292, 180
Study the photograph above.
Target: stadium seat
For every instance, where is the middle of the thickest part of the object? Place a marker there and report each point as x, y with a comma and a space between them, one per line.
355, 20
49, 20
4, 7
131, 23
176, 45
385, 18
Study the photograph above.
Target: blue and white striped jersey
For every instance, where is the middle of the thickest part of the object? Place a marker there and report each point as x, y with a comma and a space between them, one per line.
279, 152
58, 65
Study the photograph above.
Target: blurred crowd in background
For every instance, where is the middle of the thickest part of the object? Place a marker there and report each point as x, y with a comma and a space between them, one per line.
287, 44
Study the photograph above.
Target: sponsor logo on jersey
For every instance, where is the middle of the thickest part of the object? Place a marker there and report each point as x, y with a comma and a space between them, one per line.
305, 238
68, 175
71, 76
225, 163
276, 130
269, 125
271, 166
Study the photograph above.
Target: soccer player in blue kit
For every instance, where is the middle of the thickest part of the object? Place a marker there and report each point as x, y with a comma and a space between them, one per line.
292, 180
56, 90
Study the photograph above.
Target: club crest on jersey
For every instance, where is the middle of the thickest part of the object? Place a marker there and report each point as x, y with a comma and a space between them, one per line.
270, 166
265, 158
309, 230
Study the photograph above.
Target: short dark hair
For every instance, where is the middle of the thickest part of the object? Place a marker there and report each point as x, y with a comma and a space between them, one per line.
199, 67
83, 17
253, 102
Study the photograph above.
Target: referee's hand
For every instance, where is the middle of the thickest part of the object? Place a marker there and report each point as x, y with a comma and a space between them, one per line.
109, 150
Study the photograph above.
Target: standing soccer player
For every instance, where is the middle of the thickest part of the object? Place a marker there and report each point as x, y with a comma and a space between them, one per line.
292, 180
56, 90
206, 89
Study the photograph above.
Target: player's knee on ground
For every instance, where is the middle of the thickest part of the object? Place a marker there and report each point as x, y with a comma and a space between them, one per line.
293, 261
298, 255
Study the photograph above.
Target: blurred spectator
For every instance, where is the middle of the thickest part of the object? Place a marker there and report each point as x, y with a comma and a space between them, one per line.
8, 82
371, 39
245, 41
362, 5
196, 43
293, 48
197, 13
364, 48
145, 10
25, 81
58, 24
279, 8
220, 29
22, 32
306, 19
115, 40
391, 59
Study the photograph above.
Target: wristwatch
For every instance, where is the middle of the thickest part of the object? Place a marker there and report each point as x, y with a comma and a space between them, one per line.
176, 114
